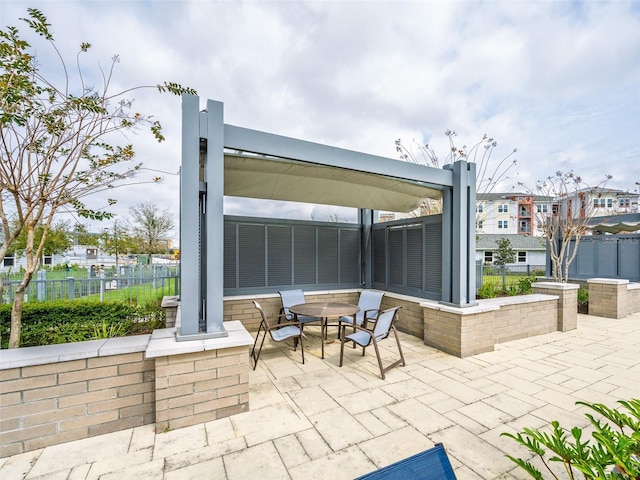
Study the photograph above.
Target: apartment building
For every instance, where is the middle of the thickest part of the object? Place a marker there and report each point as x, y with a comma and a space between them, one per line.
511, 213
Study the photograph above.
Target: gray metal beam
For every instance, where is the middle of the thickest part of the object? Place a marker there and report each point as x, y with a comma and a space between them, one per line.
214, 219
459, 241
254, 141
190, 302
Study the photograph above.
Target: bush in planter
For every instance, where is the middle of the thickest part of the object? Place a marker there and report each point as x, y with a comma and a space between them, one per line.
615, 453
487, 290
47, 323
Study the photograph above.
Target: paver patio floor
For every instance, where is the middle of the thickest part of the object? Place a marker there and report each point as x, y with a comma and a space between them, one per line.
318, 421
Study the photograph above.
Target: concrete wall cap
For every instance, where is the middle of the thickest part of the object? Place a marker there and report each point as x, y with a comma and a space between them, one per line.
556, 285
66, 352
608, 281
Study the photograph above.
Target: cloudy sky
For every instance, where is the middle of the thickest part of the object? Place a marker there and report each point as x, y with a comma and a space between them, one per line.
558, 80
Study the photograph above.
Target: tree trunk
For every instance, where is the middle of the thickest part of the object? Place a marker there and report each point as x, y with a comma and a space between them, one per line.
16, 316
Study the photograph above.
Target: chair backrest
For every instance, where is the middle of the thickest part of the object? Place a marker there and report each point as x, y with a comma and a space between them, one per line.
369, 300
383, 324
289, 299
264, 316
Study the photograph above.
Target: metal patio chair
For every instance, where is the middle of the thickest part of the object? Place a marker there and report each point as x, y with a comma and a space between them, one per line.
380, 331
289, 299
369, 303
278, 333
432, 464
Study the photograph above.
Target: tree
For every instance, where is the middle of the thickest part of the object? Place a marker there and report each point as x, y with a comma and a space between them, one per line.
489, 173
151, 227
116, 240
57, 240
569, 220
505, 253
56, 143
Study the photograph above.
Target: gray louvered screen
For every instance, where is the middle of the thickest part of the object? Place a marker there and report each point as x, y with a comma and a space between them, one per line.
396, 256
251, 255
328, 253
350, 256
433, 258
379, 256
305, 266
279, 250
414, 257
230, 256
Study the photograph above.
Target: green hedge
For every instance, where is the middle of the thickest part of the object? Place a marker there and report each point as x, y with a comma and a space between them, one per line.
47, 323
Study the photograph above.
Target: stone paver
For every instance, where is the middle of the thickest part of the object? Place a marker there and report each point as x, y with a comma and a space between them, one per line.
318, 421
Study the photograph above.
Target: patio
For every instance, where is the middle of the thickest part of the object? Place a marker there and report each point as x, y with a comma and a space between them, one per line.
318, 421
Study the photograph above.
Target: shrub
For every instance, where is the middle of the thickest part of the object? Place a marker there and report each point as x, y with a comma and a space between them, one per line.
583, 295
47, 323
487, 290
525, 285
615, 453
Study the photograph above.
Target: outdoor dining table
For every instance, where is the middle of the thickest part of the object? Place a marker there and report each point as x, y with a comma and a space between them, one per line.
324, 311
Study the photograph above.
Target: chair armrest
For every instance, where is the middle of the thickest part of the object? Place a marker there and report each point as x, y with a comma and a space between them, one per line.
284, 324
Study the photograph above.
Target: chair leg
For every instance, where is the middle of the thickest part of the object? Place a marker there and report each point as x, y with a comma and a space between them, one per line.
342, 346
375, 345
301, 346
253, 354
395, 334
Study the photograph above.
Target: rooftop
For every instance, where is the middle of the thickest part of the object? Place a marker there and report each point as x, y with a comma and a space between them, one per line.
318, 421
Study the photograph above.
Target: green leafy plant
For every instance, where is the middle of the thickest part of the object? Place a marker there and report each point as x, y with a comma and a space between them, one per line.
583, 295
487, 290
105, 330
613, 454
525, 285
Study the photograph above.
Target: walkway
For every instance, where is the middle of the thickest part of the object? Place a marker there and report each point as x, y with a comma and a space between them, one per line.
319, 421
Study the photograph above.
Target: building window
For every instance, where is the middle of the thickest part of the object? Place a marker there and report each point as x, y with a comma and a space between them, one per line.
503, 224
488, 257
542, 208
624, 202
596, 204
555, 209
9, 261
609, 202
522, 257
479, 208
524, 226
48, 260
503, 208
480, 224
602, 202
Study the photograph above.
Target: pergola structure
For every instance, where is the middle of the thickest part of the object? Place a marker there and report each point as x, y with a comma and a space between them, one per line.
220, 159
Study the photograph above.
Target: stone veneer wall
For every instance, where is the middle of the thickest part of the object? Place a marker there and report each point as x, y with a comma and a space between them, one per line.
58, 393
613, 298
46, 403
476, 329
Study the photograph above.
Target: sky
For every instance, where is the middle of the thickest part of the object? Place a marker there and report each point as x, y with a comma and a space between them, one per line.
557, 80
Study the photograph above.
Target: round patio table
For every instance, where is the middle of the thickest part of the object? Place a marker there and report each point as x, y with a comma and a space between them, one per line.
324, 311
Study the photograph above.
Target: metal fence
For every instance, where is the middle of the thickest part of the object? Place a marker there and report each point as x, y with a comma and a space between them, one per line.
138, 285
505, 275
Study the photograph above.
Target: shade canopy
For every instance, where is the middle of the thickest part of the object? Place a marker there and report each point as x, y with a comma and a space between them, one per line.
617, 227
283, 179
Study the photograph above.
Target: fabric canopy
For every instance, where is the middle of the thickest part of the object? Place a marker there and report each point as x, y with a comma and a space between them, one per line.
617, 227
282, 179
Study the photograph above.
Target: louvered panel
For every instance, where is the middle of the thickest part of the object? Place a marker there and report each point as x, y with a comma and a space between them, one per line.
414, 257
305, 270
328, 252
251, 255
396, 256
433, 258
279, 255
379, 256
230, 256
349, 256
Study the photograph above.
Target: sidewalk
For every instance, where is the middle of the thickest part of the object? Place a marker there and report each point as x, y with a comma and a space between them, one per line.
319, 421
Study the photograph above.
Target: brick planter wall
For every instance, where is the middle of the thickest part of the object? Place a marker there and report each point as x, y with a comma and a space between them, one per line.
613, 298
